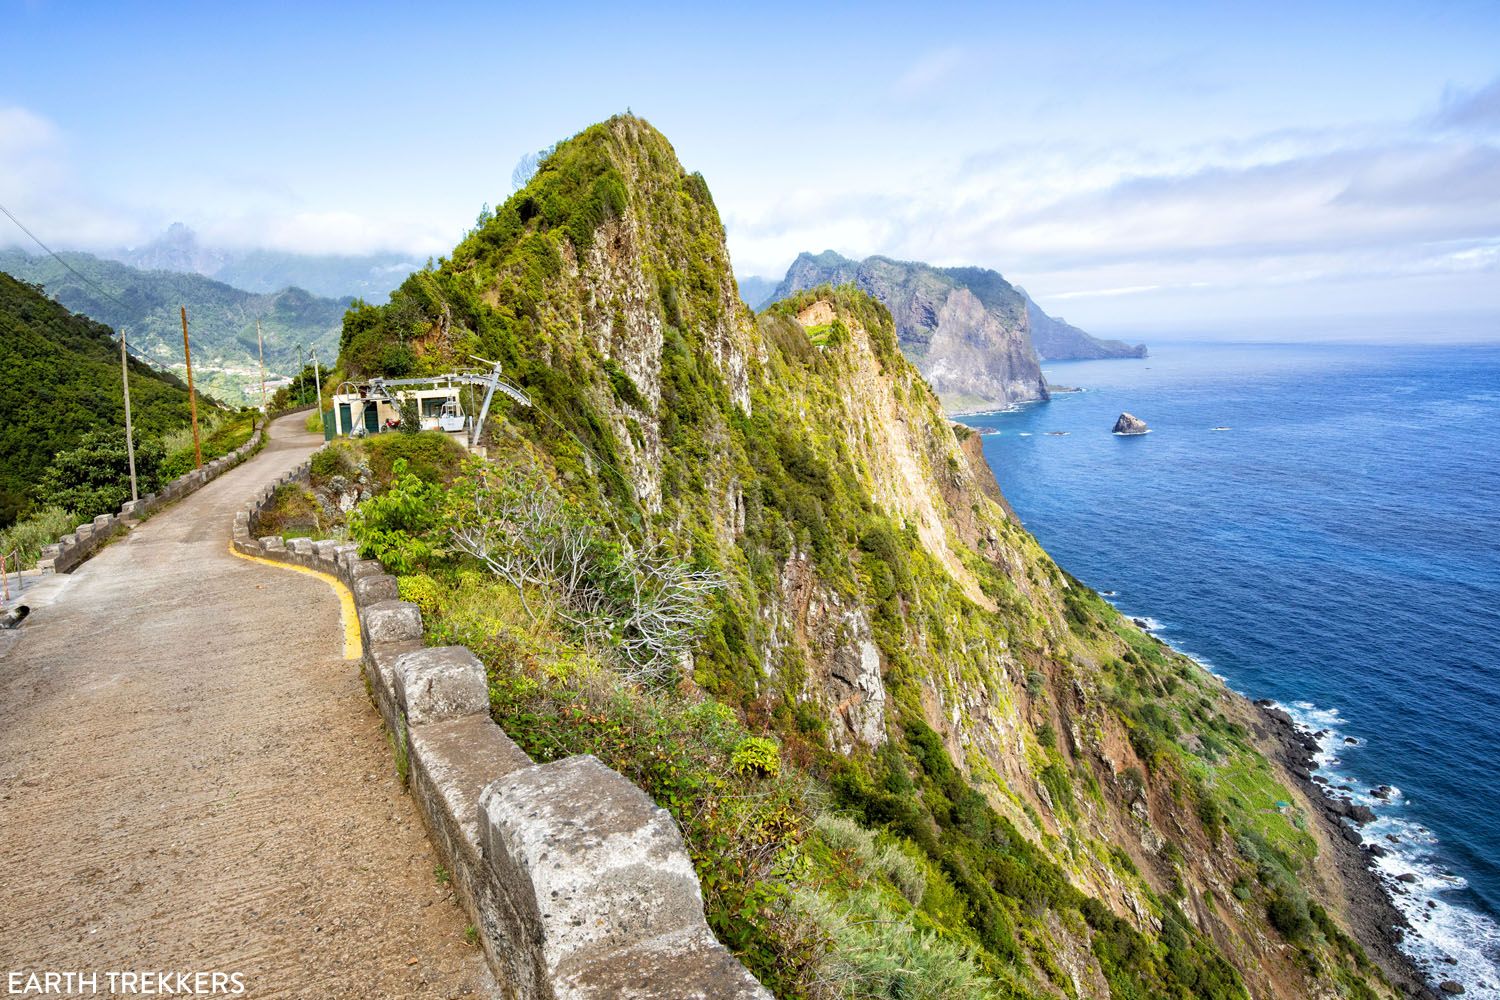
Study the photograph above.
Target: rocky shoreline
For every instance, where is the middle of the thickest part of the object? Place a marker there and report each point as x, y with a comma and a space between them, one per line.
1376, 922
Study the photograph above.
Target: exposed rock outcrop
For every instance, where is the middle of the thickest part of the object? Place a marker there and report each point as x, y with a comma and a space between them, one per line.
966, 329
1130, 424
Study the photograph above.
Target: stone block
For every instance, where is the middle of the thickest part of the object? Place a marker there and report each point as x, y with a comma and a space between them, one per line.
441, 683
597, 876
300, 546
365, 567
272, 544
373, 588
390, 621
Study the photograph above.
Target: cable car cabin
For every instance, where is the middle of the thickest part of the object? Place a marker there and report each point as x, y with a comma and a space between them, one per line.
375, 407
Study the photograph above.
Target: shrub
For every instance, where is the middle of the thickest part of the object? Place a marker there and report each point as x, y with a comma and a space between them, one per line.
333, 460
397, 526
1287, 911
756, 756
423, 591
907, 873
646, 607
410, 415
431, 456
94, 478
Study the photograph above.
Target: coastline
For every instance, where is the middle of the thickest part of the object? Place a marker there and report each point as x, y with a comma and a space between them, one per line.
1370, 911
1372, 915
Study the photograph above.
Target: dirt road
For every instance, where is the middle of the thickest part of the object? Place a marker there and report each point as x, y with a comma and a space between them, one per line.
192, 777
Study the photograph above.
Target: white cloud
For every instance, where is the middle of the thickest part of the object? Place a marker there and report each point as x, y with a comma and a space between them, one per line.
40, 184
325, 232
1089, 223
929, 73
37, 183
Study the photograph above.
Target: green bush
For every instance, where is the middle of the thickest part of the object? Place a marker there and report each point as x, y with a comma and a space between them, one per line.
410, 415
423, 591
334, 459
94, 478
431, 456
756, 756
398, 526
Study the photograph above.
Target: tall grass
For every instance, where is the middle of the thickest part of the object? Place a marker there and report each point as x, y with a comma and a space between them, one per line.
42, 527
182, 438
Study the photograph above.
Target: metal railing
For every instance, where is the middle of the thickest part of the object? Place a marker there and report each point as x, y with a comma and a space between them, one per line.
6, 560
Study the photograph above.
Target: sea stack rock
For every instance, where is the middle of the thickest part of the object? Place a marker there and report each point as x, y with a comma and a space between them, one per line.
1130, 424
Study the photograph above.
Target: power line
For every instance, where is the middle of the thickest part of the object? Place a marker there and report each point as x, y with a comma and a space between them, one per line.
133, 352
55, 256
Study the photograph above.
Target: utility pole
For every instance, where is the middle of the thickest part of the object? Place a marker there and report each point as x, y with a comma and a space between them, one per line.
129, 434
187, 353
301, 367
318, 371
260, 345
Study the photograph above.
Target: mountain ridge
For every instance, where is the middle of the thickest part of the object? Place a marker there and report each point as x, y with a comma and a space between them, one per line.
260, 270
221, 318
63, 380
967, 330
985, 358
955, 758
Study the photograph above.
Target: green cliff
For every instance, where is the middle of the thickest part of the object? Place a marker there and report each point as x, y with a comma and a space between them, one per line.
910, 755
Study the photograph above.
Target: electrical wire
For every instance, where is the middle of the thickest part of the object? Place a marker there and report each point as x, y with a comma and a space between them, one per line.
138, 355
55, 256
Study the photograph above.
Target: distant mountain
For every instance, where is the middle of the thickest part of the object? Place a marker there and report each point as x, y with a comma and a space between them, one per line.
221, 318
62, 380
1057, 340
965, 328
369, 276
756, 291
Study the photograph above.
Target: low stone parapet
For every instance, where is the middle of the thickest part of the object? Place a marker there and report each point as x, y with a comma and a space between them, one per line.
68, 552
578, 884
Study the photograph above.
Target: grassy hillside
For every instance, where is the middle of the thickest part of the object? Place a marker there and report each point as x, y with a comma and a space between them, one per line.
62, 379
221, 318
749, 563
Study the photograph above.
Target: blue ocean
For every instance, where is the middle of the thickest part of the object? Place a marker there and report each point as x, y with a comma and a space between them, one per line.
1319, 525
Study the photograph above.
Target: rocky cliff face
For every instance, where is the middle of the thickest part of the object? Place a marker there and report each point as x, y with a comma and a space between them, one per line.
1056, 340
967, 330
1074, 810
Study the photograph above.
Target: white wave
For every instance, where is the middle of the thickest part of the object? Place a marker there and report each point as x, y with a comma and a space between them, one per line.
1448, 939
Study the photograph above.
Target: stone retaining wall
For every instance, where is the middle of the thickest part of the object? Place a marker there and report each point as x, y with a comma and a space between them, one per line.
579, 885
64, 555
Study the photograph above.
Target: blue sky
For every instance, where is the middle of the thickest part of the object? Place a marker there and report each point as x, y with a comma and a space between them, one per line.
1159, 167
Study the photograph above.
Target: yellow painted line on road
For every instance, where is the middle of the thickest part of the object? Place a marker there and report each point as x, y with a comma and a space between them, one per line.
353, 646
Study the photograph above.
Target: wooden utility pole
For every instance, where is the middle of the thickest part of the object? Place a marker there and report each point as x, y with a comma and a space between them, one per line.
129, 434
318, 371
187, 352
260, 345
